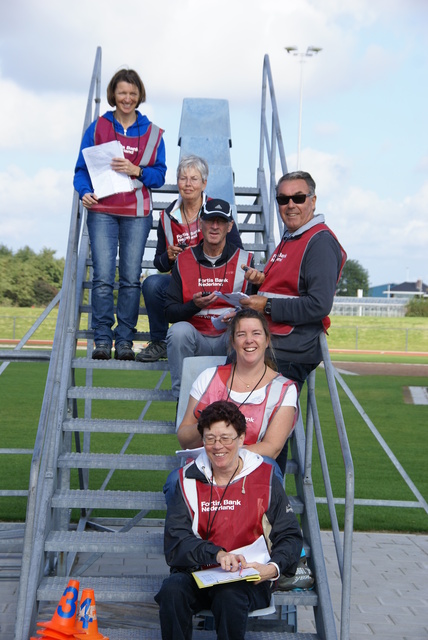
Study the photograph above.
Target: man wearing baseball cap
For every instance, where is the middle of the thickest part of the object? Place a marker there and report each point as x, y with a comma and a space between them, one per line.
192, 302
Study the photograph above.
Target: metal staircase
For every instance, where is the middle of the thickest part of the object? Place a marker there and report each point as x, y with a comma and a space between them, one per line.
105, 441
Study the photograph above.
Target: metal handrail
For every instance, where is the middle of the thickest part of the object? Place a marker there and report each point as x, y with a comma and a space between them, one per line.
42, 472
269, 145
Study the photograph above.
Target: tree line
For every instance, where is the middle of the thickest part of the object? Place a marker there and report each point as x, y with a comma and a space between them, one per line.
28, 278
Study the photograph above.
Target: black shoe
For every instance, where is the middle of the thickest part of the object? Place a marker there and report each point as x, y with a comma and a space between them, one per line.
102, 351
123, 351
152, 353
302, 580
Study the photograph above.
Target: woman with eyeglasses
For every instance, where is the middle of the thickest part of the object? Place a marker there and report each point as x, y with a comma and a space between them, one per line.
178, 229
296, 289
124, 219
226, 499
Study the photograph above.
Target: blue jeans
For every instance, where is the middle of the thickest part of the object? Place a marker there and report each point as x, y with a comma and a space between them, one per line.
180, 598
106, 232
154, 290
184, 341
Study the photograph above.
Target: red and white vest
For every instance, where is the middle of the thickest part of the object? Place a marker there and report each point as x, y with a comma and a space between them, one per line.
238, 520
177, 233
227, 278
257, 416
283, 273
141, 151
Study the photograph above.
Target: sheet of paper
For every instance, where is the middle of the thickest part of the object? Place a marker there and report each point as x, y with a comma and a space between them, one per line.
104, 180
217, 321
189, 453
233, 299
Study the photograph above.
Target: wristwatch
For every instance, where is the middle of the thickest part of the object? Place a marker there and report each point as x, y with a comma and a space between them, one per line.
268, 307
141, 172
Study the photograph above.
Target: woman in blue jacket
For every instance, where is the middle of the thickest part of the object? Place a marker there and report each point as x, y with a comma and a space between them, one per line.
122, 219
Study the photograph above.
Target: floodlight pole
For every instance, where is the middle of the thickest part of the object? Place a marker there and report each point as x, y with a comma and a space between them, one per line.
302, 55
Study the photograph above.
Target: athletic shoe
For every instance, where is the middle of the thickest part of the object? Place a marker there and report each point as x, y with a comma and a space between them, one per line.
302, 579
102, 351
123, 351
152, 353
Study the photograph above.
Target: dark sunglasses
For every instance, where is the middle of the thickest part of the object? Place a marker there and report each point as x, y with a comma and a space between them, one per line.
298, 198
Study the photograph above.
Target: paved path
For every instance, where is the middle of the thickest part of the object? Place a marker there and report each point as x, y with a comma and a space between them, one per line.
389, 588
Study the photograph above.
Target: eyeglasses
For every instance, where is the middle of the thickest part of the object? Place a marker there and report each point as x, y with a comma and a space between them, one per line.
210, 441
298, 198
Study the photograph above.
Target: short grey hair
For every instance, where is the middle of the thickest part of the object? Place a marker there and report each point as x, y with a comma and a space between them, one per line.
194, 162
299, 175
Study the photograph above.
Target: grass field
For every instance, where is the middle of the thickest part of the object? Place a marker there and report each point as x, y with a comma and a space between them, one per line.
350, 333
403, 426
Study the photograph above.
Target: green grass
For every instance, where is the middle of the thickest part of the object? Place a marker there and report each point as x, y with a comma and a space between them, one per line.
403, 426
346, 332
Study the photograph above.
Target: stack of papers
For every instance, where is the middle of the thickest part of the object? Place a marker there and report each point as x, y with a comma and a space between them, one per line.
256, 552
105, 181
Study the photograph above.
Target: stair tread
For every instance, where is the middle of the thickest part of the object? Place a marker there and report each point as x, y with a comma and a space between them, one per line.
109, 499
141, 589
118, 393
155, 634
88, 363
106, 541
134, 461
94, 425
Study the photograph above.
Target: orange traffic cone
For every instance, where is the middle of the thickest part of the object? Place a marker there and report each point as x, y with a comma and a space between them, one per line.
62, 625
86, 622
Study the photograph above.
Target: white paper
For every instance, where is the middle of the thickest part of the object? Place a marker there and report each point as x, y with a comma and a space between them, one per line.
255, 552
233, 299
217, 321
190, 453
104, 180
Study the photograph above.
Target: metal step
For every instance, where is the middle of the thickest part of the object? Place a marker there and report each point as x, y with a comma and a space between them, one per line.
106, 542
131, 461
111, 393
142, 589
119, 365
125, 500
76, 499
155, 634
88, 425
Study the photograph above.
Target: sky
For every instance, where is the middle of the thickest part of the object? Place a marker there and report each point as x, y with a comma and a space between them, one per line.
364, 134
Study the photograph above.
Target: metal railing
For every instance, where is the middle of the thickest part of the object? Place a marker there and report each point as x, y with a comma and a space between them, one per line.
42, 473
270, 144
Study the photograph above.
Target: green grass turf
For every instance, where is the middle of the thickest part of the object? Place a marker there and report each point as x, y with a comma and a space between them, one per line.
403, 426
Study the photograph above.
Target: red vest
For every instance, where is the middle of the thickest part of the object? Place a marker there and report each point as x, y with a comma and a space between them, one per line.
257, 416
282, 278
140, 151
177, 233
227, 278
238, 521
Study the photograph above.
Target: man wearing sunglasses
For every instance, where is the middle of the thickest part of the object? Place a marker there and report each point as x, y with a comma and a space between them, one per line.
297, 287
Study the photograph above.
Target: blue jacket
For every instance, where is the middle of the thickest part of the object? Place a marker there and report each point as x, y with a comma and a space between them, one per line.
154, 175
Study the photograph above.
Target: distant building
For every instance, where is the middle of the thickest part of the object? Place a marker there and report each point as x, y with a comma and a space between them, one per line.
408, 290
381, 290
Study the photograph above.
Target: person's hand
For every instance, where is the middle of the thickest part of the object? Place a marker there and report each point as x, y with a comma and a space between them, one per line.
266, 571
252, 275
202, 301
173, 251
122, 165
89, 199
231, 561
228, 316
257, 303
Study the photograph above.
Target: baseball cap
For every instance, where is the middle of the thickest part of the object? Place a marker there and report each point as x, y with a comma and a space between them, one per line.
217, 208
